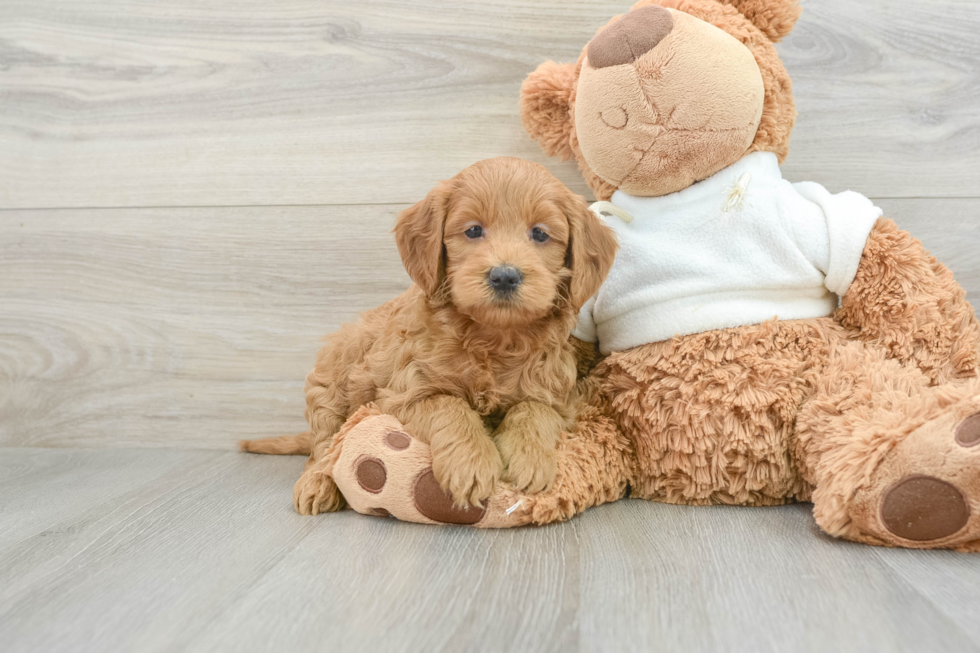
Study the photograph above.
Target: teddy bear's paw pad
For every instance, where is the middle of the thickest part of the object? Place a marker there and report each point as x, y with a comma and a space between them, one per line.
437, 504
924, 508
397, 440
968, 432
371, 475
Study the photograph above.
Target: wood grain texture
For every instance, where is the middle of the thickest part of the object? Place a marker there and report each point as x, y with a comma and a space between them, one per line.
887, 94
704, 575
119, 103
150, 567
191, 328
209, 556
37, 485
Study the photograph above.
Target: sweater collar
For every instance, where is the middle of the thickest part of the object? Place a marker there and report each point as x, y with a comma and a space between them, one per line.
763, 166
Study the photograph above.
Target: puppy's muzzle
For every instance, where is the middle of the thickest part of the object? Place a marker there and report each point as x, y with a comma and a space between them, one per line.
504, 279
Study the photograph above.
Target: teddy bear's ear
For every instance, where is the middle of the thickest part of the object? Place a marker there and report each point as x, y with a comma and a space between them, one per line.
775, 18
546, 100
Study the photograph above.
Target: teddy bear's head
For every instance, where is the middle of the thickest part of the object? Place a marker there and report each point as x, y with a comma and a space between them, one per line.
668, 94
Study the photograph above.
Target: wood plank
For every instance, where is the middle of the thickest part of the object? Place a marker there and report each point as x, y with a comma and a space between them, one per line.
884, 95
41, 487
196, 327
680, 578
416, 588
118, 103
154, 565
948, 580
180, 560
177, 328
210, 556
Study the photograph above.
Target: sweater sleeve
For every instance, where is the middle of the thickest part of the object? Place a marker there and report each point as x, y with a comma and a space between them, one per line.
850, 218
585, 330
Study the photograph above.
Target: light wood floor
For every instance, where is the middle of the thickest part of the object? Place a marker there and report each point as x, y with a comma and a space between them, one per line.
193, 193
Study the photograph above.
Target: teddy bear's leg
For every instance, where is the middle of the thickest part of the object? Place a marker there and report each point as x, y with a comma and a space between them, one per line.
909, 303
892, 459
383, 470
595, 465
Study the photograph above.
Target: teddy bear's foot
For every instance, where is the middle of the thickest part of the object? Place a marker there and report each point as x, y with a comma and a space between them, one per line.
383, 471
926, 491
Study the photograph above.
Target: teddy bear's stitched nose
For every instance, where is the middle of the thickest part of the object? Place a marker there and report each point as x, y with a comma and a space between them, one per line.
630, 37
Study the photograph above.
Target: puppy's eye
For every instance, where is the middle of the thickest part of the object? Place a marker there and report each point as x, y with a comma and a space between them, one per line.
539, 235
476, 231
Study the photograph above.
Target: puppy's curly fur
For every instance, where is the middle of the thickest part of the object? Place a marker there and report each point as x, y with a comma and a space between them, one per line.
484, 377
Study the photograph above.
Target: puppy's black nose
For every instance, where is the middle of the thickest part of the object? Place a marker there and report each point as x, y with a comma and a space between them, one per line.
504, 279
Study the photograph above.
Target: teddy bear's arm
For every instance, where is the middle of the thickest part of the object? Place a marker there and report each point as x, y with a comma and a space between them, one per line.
906, 301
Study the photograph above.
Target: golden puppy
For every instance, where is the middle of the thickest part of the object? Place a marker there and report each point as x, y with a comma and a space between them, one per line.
477, 352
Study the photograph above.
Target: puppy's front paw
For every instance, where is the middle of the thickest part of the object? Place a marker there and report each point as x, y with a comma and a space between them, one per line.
527, 466
469, 469
316, 492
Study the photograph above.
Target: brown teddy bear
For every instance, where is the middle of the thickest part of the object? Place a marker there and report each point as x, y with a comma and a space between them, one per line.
761, 342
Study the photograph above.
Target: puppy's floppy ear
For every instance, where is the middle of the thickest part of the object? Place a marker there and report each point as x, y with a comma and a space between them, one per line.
546, 100
591, 251
775, 18
419, 233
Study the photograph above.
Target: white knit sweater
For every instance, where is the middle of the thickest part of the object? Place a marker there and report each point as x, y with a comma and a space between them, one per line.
741, 247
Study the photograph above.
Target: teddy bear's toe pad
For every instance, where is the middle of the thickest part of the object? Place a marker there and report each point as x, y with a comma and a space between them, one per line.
433, 502
968, 433
923, 508
397, 440
371, 474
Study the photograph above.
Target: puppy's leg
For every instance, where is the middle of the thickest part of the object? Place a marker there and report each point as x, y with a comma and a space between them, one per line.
527, 439
315, 491
464, 459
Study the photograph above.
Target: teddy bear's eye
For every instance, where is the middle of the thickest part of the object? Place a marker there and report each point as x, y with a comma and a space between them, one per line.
539, 235
474, 232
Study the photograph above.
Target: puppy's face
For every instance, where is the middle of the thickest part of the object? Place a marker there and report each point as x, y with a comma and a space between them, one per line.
507, 241
505, 244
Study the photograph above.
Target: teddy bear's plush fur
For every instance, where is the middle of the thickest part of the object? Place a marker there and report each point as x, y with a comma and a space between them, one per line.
872, 413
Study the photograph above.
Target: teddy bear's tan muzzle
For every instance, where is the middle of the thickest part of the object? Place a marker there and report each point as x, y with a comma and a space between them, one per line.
630, 37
